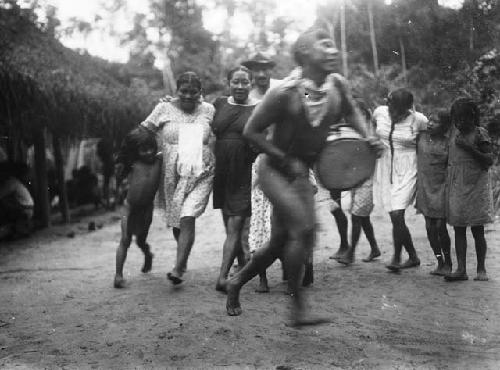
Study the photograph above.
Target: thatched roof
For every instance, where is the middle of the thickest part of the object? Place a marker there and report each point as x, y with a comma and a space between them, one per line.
44, 83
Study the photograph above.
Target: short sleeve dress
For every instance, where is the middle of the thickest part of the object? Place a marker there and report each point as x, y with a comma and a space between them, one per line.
432, 163
234, 158
470, 199
183, 195
395, 179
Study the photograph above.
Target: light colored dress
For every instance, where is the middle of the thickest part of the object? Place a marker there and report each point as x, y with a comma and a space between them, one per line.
395, 179
182, 192
470, 199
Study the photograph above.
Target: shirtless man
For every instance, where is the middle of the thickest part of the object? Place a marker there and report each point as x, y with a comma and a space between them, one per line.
302, 113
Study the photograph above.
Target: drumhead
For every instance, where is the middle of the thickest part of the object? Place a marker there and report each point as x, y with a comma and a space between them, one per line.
344, 164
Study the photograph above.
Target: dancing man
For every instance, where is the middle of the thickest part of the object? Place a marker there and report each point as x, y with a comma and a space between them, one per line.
302, 109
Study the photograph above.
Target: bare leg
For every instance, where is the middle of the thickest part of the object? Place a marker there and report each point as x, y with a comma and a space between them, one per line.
348, 257
402, 238
433, 237
121, 252
481, 247
229, 250
243, 254
370, 236
444, 241
176, 232
263, 284
184, 245
341, 221
461, 250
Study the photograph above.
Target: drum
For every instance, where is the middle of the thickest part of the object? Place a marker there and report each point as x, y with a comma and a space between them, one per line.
345, 162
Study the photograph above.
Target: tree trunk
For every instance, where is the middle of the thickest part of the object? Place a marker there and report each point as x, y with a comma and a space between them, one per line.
373, 37
403, 57
63, 194
42, 188
343, 43
168, 77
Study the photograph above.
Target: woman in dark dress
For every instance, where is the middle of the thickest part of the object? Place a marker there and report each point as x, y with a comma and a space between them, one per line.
233, 164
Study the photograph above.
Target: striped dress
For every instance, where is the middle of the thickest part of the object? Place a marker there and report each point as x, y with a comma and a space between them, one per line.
395, 179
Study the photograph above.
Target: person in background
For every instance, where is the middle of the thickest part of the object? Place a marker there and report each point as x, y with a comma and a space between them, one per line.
233, 165
432, 164
395, 180
16, 202
494, 133
470, 200
259, 229
140, 161
361, 208
188, 163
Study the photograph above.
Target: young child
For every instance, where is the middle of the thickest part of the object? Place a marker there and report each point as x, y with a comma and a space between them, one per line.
432, 163
470, 202
139, 159
361, 208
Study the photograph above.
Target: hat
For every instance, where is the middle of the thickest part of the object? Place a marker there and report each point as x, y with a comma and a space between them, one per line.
258, 59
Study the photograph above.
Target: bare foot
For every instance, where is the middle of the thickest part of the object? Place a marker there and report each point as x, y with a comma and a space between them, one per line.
233, 306
346, 258
456, 276
176, 280
410, 262
372, 256
394, 265
119, 282
481, 276
339, 253
299, 320
148, 262
441, 270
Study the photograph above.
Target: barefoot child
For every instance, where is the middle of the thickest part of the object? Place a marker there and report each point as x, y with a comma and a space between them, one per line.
361, 208
302, 110
432, 163
470, 201
139, 159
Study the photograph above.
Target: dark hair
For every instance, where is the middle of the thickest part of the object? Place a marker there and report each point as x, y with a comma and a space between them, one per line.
465, 109
239, 68
135, 139
306, 39
189, 78
401, 98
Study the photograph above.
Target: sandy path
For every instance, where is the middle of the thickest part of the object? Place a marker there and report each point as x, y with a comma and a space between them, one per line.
58, 308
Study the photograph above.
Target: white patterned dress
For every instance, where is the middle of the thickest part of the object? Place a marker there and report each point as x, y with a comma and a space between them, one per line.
186, 195
395, 180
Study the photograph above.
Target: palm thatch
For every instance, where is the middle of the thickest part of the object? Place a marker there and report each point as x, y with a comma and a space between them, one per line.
44, 84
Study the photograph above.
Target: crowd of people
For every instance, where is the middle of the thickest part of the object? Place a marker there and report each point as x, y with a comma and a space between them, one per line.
256, 150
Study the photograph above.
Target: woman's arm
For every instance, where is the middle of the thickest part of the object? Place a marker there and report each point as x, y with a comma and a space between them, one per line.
481, 153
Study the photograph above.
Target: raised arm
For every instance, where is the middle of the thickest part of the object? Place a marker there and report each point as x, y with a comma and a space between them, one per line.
350, 109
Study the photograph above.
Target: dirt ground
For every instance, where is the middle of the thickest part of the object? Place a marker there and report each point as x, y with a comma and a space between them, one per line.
58, 308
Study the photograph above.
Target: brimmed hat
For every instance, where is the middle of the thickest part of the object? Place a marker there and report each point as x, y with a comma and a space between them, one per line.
258, 59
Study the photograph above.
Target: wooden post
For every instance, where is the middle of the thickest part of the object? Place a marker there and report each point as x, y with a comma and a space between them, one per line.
63, 193
42, 191
372, 37
343, 39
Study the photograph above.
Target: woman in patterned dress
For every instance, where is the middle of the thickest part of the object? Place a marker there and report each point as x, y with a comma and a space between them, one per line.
188, 163
395, 179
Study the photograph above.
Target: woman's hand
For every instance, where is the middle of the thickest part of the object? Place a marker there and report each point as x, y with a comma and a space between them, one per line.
376, 145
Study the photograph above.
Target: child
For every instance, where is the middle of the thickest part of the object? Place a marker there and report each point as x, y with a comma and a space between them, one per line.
494, 132
432, 162
470, 202
361, 208
138, 158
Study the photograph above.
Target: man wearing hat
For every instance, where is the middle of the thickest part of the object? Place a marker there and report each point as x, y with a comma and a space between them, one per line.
261, 67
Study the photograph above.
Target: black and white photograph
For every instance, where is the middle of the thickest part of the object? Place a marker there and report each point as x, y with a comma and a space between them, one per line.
250, 184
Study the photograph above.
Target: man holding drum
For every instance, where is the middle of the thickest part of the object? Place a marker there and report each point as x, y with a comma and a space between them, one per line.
302, 109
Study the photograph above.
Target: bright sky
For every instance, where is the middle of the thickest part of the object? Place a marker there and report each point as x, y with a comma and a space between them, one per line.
101, 44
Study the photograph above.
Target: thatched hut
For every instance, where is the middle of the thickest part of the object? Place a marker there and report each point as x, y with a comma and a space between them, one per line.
49, 91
